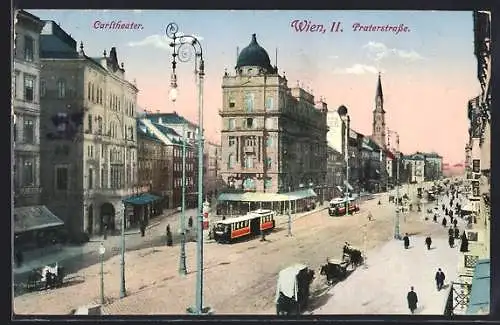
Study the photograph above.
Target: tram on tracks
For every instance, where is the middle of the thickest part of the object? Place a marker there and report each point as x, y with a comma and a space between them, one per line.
337, 207
249, 225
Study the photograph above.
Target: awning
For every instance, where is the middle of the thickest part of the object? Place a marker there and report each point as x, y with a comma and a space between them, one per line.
302, 194
252, 197
141, 199
469, 207
33, 218
479, 299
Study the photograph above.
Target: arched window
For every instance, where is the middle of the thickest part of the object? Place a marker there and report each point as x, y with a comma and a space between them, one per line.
61, 88
88, 91
92, 95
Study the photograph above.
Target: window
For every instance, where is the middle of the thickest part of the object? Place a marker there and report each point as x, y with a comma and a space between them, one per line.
249, 102
43, 88
92, 94
91, 179
29, 88
28, 173
270, 103
29, 46
232, 141
268, 162
232, 102
62, 180
99, 125
268, 183
230, 161
89, 90
269, 123
249, 123
103, 178
28, 130
61, 88
269, 142
89, 123
232, 123
249, 162
14, 89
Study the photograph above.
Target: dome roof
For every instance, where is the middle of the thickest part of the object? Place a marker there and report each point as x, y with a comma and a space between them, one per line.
254, 55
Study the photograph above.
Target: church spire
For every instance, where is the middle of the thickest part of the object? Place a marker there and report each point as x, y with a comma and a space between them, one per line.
379, 93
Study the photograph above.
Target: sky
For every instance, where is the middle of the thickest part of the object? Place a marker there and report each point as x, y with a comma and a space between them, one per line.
428, 70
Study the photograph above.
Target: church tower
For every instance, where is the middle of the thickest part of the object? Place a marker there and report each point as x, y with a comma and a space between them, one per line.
378, 132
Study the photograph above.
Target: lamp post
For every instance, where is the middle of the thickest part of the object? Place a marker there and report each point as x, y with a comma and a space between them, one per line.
183, 48
289, 214
342, 111
123, 290
182, 259
102, 250
397, 234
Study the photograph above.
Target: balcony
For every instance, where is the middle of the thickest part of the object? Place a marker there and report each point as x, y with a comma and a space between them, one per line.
249, 149
28, 190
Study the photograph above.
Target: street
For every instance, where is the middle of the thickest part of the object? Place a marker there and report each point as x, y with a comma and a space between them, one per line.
239, 278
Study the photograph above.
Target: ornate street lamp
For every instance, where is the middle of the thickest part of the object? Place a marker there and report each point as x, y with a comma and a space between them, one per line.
185, 48
397, 234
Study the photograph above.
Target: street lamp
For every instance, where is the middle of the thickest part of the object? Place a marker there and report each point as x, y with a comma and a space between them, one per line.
182, 260
183, 48
289, 214
342, 111
102, 250
397, 234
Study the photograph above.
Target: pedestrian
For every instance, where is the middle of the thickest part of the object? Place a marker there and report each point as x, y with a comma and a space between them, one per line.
169, 238
443, 206
456, 232
446, 211
412, 299
428, 242
143, 228
464, 245
444, 222
223, 218
406, 241
439, 279
450, 231
190, 222
435, 218
451, 240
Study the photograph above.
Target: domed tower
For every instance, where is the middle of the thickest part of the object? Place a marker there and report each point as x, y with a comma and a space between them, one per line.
254, 60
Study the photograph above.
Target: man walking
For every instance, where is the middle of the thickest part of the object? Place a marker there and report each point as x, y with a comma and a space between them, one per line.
451, 240
428, 242
439, 279
406, 241
412, 299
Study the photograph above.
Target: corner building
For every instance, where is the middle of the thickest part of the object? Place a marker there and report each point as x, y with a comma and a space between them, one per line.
88, 132
273, 136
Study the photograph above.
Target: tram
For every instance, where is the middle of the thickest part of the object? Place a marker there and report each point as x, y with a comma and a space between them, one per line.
337, 207
249, 225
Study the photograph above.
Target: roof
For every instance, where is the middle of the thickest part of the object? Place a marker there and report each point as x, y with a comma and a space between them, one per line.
254, 55
142, 130
169, 118
34, 217
479, 300
250, 215
170, 133
379, 92
287, 281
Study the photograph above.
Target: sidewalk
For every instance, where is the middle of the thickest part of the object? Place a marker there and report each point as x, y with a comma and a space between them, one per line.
381, 286
112, 244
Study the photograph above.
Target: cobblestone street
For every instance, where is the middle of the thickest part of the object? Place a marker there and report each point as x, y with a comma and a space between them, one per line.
249, 268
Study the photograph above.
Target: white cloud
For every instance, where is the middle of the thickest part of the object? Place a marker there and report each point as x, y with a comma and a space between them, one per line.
357, 69
378, 51
158, 41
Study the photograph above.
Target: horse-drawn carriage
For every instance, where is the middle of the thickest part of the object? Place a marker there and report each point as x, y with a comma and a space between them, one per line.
47, 277
292, 290
336, 270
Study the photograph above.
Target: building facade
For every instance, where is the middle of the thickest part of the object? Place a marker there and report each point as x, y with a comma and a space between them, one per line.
433, 166
154, 165
273, 137
415, 166
26, 104
88, 132
335, 138
173, 143
212, 181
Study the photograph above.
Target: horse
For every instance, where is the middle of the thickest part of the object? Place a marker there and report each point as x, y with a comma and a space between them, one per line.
332, 272
353, 256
